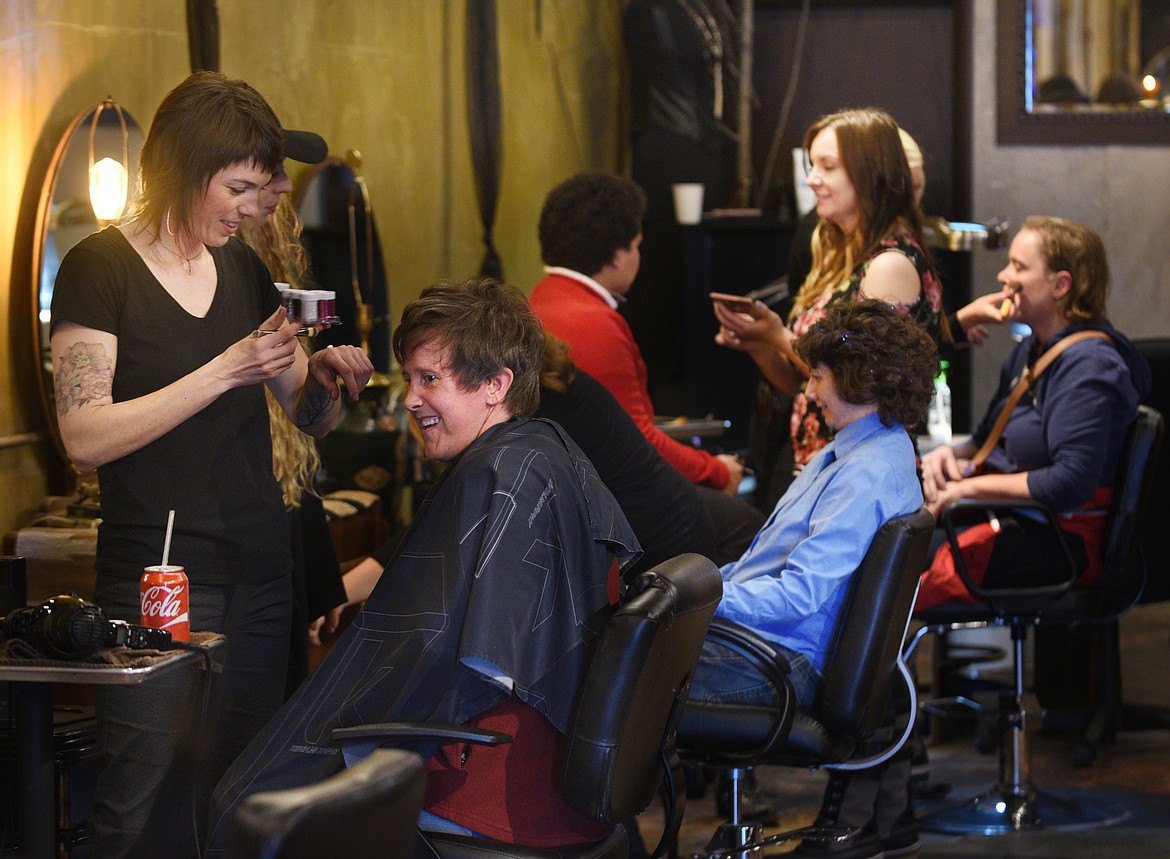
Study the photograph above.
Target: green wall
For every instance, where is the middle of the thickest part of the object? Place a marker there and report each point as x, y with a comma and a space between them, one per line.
384, 77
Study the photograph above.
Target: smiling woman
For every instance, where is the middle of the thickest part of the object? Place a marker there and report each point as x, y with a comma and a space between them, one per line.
159, 387
517, 511
467, 355
868, 242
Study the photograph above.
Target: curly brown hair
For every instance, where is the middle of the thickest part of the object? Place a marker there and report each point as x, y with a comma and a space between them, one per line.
876, 354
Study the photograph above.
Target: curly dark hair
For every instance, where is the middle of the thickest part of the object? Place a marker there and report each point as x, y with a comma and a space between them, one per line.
877, 354
486, 326
587, 219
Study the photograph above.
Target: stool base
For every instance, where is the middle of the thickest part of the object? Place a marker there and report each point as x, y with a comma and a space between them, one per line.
1000, 812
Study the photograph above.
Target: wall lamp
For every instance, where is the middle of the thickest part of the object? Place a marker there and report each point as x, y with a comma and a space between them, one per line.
108, 178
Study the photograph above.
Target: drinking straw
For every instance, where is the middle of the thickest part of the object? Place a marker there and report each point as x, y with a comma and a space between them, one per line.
167, 539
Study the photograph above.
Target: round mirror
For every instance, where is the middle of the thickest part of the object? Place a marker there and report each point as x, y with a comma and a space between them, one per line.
104, 136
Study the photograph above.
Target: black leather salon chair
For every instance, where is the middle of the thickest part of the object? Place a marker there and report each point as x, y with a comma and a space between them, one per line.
1154, 539
621, 742
1015, 803
365, 812
1111, 712
864, 664
1134, 574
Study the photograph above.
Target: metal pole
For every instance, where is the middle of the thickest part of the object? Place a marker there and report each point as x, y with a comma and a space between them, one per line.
744, 127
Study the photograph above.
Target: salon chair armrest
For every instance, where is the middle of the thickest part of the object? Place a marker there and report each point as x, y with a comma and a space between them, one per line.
1009, 600
419, 732
727, 732
753, 647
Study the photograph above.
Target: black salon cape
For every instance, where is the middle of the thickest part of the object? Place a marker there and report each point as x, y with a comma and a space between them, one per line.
506, 561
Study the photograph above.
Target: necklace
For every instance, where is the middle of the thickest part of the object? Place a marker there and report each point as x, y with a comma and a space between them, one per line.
185, 260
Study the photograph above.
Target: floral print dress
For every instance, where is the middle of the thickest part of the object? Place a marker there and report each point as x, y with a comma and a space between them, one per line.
809, 432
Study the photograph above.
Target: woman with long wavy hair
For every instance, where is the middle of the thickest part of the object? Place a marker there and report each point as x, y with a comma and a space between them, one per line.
868, 244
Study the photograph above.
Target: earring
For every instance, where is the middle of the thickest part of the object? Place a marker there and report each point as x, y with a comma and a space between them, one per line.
170, 229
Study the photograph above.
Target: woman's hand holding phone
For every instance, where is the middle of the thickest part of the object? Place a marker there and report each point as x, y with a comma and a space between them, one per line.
736, 303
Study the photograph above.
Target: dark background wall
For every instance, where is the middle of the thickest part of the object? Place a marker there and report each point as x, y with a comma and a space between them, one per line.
909, 58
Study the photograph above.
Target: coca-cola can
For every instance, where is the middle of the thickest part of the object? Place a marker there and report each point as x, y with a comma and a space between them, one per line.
166, 600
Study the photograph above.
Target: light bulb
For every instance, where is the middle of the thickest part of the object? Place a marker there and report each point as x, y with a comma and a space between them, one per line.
107, 189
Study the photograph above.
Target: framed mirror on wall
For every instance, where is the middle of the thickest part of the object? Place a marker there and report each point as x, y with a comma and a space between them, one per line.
88, 185
1076, 72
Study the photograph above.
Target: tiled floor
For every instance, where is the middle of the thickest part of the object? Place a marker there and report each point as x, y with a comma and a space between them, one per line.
1133, 775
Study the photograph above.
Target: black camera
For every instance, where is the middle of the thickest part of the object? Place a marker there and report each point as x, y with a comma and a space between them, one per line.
69, 627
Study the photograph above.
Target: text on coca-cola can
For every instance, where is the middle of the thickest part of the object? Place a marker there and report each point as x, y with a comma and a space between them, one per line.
166, 601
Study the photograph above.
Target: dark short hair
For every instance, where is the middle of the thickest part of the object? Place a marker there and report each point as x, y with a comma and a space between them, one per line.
485, 326
206, 123
1077, 249
877, 354
587, 219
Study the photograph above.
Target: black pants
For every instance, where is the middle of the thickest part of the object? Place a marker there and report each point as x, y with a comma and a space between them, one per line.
160, 752
736, 524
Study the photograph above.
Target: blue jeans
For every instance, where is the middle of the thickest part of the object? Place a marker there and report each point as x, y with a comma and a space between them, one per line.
724, 676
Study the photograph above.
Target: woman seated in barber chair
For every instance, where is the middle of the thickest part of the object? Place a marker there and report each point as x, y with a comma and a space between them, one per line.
872, 370
1060, 445
1063, 438
455, 630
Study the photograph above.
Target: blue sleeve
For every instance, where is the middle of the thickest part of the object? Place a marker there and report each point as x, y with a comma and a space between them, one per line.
863, 494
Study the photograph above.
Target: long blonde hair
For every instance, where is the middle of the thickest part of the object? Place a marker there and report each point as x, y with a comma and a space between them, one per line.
295, 460
277, 241
872, 154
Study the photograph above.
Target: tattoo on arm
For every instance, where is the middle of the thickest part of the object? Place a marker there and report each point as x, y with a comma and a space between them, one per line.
312, 407
85, 374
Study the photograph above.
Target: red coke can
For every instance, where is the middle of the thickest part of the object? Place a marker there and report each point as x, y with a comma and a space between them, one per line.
165, 601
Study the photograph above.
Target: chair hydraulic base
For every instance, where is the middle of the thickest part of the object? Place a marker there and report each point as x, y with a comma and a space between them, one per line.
741, 840
1002, 811
1015, 804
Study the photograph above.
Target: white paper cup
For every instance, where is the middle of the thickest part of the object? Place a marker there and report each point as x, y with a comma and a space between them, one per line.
688, 202
806, 199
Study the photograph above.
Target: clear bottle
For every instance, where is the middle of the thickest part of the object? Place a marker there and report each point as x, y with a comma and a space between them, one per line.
938, 418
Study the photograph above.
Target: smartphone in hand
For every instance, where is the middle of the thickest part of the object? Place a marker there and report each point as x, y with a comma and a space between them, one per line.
736, 303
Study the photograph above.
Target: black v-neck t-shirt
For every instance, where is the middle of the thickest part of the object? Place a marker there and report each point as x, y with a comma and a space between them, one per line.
215, 469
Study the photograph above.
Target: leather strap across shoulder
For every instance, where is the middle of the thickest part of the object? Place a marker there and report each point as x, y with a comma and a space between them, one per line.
1027, 380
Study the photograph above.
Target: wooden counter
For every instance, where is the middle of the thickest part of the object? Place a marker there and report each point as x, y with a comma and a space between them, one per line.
61, 560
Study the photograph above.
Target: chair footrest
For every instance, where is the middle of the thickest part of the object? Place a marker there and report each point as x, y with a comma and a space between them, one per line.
953, 706
727, 838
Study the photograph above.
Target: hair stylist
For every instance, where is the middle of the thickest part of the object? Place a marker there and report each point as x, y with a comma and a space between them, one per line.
158, 382
868, 244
